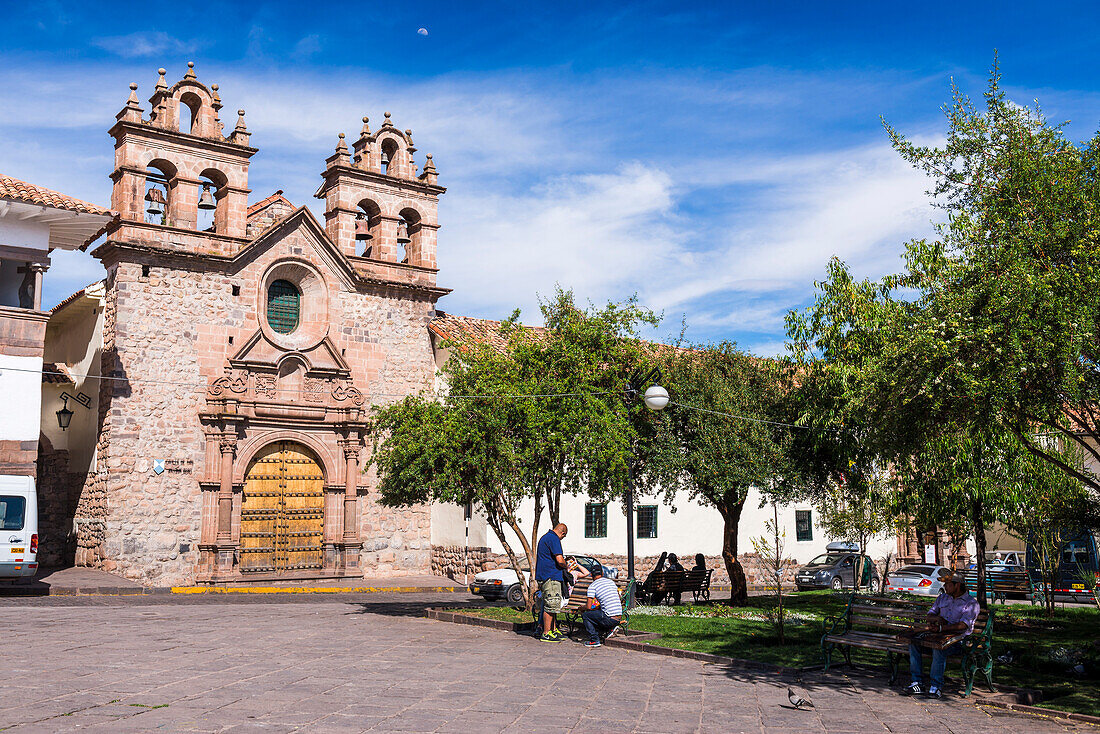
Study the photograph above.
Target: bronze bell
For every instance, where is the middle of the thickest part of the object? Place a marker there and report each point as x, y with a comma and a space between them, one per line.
155, 197
403, 233
206, 201
385, 160
362, 229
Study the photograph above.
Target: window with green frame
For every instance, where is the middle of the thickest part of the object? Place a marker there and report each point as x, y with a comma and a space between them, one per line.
647, 521
803, 525
283, 304
595, 520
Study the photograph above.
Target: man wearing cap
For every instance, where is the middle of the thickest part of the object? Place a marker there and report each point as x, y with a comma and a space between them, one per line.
954, 611
605, 608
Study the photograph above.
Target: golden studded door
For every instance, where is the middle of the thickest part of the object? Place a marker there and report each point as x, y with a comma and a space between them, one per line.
282, 515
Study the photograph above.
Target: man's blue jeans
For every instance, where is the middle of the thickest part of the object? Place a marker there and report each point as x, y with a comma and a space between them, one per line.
939, 663
598, 623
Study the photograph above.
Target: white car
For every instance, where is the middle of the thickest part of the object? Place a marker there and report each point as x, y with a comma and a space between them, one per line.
919, 579
503, 583
18, 527
500, 583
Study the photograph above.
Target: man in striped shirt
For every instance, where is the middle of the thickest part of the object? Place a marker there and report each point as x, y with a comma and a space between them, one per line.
605, 609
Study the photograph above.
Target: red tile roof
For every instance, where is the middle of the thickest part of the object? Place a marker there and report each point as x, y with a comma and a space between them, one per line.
55, 373
263, 203
13, 188
467, 329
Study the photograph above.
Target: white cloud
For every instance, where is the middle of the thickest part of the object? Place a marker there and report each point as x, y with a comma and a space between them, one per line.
144, 44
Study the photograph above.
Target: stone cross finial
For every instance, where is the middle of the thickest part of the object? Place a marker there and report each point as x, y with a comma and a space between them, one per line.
190, 70
162, 84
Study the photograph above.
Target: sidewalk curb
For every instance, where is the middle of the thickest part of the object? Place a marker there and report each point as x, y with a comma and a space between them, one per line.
314, 589
166, 590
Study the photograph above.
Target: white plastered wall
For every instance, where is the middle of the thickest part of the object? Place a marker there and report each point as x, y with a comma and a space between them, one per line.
21, 391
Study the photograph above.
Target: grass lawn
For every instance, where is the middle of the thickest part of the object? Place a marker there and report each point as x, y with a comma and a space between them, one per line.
1044, 652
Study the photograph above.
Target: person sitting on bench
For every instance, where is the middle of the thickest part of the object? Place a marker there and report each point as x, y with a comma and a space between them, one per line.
673, 565
954, 611
605, 609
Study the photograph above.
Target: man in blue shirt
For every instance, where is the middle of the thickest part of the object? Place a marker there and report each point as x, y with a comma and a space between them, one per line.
605, 608
549, 562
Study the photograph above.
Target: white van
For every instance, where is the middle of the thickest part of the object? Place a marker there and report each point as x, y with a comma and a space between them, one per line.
18, 527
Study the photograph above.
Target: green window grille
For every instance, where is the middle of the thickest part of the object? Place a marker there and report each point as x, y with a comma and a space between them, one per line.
803, 525
283, 302
595, 520
647, 521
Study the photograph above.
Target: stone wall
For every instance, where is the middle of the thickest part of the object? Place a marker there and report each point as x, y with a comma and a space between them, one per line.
171, 325
644, 565
58, 494
456, 561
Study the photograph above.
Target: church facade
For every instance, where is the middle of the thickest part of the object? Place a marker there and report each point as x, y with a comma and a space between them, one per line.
239, 351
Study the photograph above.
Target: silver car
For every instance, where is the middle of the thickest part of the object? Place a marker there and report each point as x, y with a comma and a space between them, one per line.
919, 579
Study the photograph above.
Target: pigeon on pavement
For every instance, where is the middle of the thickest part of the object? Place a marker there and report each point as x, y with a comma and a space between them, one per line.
797, 701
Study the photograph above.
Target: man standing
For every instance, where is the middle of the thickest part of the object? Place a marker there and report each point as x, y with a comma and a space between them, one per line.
605, 609
954, 611
549, 562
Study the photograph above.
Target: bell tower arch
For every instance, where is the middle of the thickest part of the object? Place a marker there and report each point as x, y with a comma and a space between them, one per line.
379, 209
183, 134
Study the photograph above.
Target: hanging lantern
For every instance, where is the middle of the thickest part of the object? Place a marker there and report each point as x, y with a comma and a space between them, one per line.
403, 233
155, 202
64, 416
206, 200
362, 229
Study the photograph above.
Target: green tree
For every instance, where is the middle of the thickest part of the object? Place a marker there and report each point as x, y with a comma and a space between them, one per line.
717, 459
770, 548
991, 329
533, 413
859, 516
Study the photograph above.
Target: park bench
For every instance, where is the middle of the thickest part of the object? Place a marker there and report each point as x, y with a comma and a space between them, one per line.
873, 623
670, 585
999, 584
578, 602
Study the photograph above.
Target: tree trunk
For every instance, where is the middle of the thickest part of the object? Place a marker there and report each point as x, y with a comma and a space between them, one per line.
979, 548
731, 516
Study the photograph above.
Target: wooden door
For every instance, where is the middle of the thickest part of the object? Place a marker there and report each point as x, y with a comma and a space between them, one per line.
282, 515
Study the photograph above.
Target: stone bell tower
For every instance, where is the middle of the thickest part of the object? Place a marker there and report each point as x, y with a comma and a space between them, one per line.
178, 162
378, 209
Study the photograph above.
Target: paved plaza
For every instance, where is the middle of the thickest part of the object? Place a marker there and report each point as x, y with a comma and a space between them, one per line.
369, 662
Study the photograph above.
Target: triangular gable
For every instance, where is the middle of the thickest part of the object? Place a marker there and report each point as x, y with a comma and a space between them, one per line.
258, 351
303, 220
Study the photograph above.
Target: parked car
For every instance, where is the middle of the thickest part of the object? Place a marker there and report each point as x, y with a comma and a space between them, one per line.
18, 527
503, 583
500, 583
836, 569
918, 579
1003, 561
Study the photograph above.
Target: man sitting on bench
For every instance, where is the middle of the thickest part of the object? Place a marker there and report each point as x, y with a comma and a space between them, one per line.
954, 611
605, 609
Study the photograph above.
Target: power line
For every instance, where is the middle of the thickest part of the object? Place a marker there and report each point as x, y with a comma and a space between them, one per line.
204, 386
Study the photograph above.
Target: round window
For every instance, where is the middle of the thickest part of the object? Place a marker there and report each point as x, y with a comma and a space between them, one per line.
283, 305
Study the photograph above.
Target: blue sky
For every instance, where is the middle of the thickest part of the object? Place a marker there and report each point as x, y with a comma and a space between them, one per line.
708, 157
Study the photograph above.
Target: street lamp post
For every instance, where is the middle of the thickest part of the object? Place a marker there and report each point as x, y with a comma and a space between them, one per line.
655, 398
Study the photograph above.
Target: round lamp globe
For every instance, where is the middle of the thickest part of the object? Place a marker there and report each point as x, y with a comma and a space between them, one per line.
656, 397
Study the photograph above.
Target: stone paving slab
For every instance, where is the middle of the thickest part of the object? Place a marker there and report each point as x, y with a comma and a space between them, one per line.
278, 664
